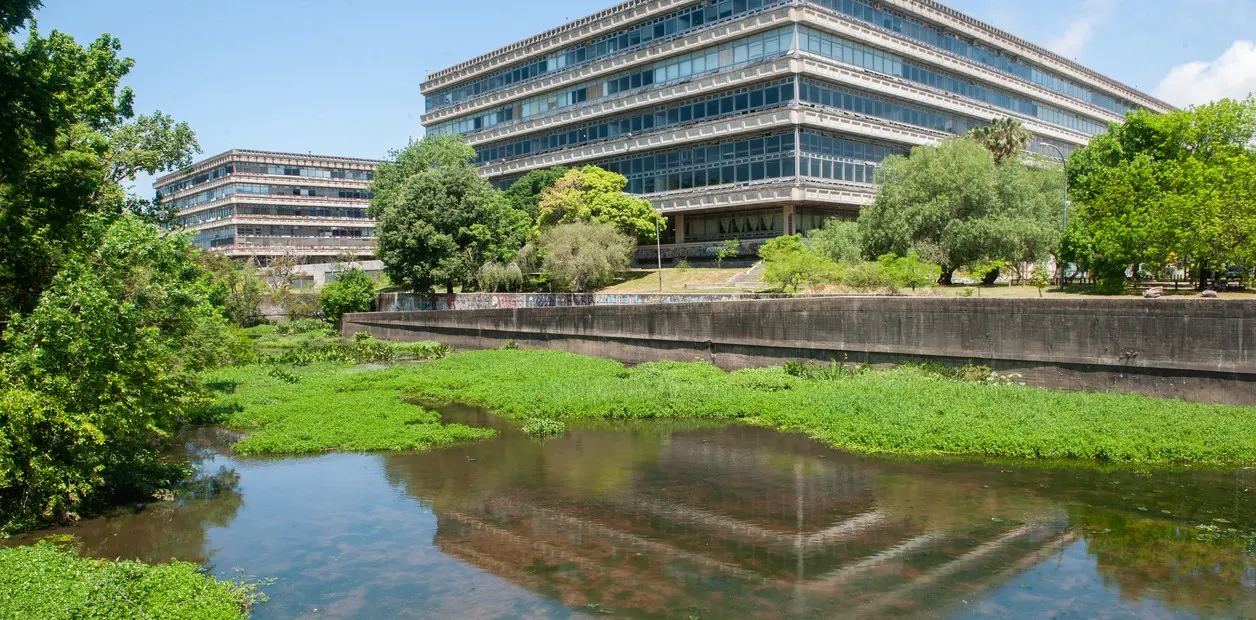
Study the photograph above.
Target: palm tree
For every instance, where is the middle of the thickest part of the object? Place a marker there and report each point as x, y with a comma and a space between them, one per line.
1003, 137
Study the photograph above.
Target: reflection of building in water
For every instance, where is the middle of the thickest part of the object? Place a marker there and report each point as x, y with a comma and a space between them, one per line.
725, 523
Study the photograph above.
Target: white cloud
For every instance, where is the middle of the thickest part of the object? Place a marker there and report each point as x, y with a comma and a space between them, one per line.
1080, 31
1233, 74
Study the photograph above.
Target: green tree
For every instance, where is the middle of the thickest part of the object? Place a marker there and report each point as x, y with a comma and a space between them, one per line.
1039, 279
837, 239
525, 194
1164, 187
444, 221
907, 271
591, 194
789, 264
584, 256
724, 251
1003, 137
102, 371
351, 291
418, 156
237, 288
955, 207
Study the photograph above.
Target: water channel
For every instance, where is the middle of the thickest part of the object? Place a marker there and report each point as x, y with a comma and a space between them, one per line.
693, 520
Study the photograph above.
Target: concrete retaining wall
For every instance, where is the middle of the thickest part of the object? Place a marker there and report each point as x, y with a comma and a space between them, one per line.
404, 302
1193, 349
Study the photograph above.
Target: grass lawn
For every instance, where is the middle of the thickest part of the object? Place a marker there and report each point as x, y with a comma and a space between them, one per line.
46, 580
675, 281
902, 411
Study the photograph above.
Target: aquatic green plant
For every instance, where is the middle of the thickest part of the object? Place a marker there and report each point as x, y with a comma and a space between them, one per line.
543, 426
331, 410
906, 410
47, 580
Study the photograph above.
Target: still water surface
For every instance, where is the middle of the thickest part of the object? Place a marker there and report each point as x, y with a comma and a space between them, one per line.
692, 520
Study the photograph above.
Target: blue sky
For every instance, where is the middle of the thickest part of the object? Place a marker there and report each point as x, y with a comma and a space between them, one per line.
342, 78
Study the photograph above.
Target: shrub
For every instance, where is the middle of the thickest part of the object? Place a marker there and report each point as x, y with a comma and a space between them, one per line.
353, 291
908, 271
1039, 279
302, 326
493, 277
682, 265
101, 372
510, 345
584, 256
788, 264
724, 251
543, 426
838, 240
52, 581
864, 276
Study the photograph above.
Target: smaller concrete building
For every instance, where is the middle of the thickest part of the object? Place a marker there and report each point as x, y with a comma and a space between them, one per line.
261, 205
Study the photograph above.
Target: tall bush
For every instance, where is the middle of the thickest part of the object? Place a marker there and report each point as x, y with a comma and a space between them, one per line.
584, 256
789, 264
352, 291
102, 371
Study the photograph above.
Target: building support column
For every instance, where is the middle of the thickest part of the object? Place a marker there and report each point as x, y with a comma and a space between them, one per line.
678, 221
789, 219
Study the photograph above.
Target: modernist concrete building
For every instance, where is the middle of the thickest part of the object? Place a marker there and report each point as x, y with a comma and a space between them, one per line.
749, 119
260, 205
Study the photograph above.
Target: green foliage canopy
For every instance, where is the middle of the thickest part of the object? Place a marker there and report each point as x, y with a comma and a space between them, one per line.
442, 222
583, 256
955, 207
591, 194
789, 264
351, 291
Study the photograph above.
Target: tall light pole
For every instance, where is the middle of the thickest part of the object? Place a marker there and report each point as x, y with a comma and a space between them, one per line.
1064, 222
658, 239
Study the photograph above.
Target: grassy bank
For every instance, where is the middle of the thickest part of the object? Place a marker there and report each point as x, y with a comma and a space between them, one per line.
902, 411
51, 581
909, 411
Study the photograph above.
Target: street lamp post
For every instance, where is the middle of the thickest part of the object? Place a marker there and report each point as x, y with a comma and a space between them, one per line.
658, 243
1064, 222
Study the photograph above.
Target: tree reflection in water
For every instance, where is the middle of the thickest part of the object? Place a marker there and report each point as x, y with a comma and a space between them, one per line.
164, 530
689, 519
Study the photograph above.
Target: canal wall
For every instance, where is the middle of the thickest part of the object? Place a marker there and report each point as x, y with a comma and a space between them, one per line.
405, 302
1197, 349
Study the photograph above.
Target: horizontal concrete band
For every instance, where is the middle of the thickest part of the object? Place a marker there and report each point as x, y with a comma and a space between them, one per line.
1108, 339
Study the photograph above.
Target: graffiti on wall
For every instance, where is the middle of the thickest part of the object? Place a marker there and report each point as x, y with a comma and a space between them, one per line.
408, 302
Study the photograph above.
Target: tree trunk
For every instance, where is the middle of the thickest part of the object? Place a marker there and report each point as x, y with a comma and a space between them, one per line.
1203, 277
947, 273
990, 277
449, 288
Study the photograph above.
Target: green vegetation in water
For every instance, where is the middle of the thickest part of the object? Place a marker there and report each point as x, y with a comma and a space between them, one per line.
543, 426
906, 410
328, 408
47, 580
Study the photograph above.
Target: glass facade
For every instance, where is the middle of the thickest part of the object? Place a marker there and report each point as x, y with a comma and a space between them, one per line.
845, 98
732, 161
728, 103
947, 41
268, 190
750, 49
222, 171
756, 224
838, 158
665, 26
849, 52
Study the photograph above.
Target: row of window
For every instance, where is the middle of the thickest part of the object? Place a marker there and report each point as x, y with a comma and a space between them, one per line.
297, 171
741, 161
301, 231
740, 225
950, 42
222, 171
678, 22
845, 98
204, 177
815, 142
288, 190
765, 95
268, 190
837, 48
752, 48
219, 213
